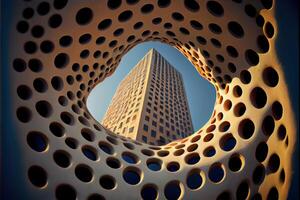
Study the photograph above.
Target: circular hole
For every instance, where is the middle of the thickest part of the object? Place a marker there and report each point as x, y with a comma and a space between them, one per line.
132, 175
19, 65
192, 5
57, 83
40, 85
270, 76
215, 8
162, 153
263, 43
178, 152
274, 163
173, 190
37, 176
192, 158
130, 157
196, 25
125, 16
243, 190
62, 158
216, 173
55, 21
37, 141
269, 29
267, 3
154, 164
85, 38
60, 4
67, 118
258, 97
22, 26
177, 16
47, 46
194, 180
192, 147
216, 43
211, 128
260, 21
258, 174
30, 47
239, 109
273, 194
88, 134
149, 192
268, 125
147, 152
235, 29
277, 110
227, 142
235, 162
208, 137
44, 108
24, 92
209, 152
43, 8
196, 138
114, 4
84, 173
57, 129
173, 166
232, 51
65, 41
250, 10
215, 28
61, 60
63, 101
245, 76
281, 132
201, 40
65, 191
224, 126
113, 163
72, 143
90, 153
35, 65
261, 151
251, 57
147, 8
106, 147
246, 128
84, 16
37, 31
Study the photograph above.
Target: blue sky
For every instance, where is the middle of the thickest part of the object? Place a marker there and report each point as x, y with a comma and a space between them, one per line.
200, 93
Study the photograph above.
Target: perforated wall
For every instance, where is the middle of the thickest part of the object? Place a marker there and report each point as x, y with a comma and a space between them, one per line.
59, 50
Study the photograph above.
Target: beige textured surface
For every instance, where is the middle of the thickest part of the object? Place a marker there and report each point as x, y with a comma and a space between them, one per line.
51, 85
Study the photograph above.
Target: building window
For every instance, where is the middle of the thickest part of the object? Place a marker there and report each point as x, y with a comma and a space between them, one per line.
147, 118
153, 133
154, 123
144, 138
131, 129
145, 127
161, 129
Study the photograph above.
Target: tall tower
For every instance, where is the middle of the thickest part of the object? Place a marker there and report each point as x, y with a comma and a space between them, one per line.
150, 103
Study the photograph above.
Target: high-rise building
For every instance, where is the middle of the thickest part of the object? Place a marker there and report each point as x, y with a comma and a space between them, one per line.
150, 104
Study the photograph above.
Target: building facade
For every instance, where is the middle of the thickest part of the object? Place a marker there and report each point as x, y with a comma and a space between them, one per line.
150, 104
